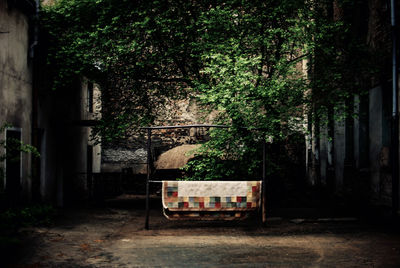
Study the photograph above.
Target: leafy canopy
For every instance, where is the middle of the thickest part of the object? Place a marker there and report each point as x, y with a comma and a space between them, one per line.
247, 60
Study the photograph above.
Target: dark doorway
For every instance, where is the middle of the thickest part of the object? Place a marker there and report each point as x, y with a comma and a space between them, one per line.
90, 97
13, 163
89, 166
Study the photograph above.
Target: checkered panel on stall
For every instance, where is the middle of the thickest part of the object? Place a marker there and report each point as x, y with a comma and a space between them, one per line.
174, 202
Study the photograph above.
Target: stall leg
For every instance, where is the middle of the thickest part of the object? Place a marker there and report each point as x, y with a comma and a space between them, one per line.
264, 184
146, 225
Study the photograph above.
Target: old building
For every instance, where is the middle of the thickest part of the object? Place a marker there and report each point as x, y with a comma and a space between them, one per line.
16, 90
352, 156
57, 123
68, 152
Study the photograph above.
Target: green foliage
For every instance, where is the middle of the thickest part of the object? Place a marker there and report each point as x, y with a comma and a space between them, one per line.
253, 81
37, 215
343, 64
11, 220
142, 53
230, 154
13, 145
242, 59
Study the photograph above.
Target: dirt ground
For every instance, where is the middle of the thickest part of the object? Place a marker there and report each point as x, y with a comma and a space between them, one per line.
114, 236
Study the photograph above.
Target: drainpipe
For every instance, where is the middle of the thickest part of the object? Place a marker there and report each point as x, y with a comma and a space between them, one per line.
395, 115
35, 30
35, 191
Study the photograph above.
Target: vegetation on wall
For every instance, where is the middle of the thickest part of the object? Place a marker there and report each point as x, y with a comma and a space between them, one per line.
12, 145
251, 61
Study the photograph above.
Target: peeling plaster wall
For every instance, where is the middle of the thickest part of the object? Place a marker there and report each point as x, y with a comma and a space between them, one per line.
16, 81
133, 153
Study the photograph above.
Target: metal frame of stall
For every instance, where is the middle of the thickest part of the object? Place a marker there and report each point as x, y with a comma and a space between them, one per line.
149, 159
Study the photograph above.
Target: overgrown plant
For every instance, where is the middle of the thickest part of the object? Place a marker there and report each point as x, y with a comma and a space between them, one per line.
12, 144
37, 215
251, 61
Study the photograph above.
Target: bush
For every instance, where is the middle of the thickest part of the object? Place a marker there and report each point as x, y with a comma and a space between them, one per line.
37, 215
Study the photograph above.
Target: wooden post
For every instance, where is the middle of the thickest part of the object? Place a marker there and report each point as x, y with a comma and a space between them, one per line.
146, 225
264, 183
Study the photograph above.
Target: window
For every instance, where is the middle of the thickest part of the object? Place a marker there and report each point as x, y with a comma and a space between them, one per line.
90, 97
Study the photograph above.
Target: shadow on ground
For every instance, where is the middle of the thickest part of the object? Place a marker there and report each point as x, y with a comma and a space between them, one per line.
113, 235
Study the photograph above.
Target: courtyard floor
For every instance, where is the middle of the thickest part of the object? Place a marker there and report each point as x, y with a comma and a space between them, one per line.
114, 236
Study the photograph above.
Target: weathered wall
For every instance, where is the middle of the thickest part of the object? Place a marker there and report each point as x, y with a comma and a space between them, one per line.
360, 162
16, 80
133, 154
367, 170
339, 152
65, 137
323, 154
375, 136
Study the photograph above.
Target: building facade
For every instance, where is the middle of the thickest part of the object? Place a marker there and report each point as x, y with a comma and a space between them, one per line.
16, 92
57, 123
352, 155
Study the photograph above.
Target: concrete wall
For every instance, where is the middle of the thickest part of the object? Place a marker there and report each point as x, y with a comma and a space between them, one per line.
375, 137
379, 144
366, 171
65, 137
133, 153
339, 149
361, 146
16, 80
323, 147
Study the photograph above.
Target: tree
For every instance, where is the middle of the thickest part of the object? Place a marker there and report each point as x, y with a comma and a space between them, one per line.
254, 79
245, 59
140, 52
